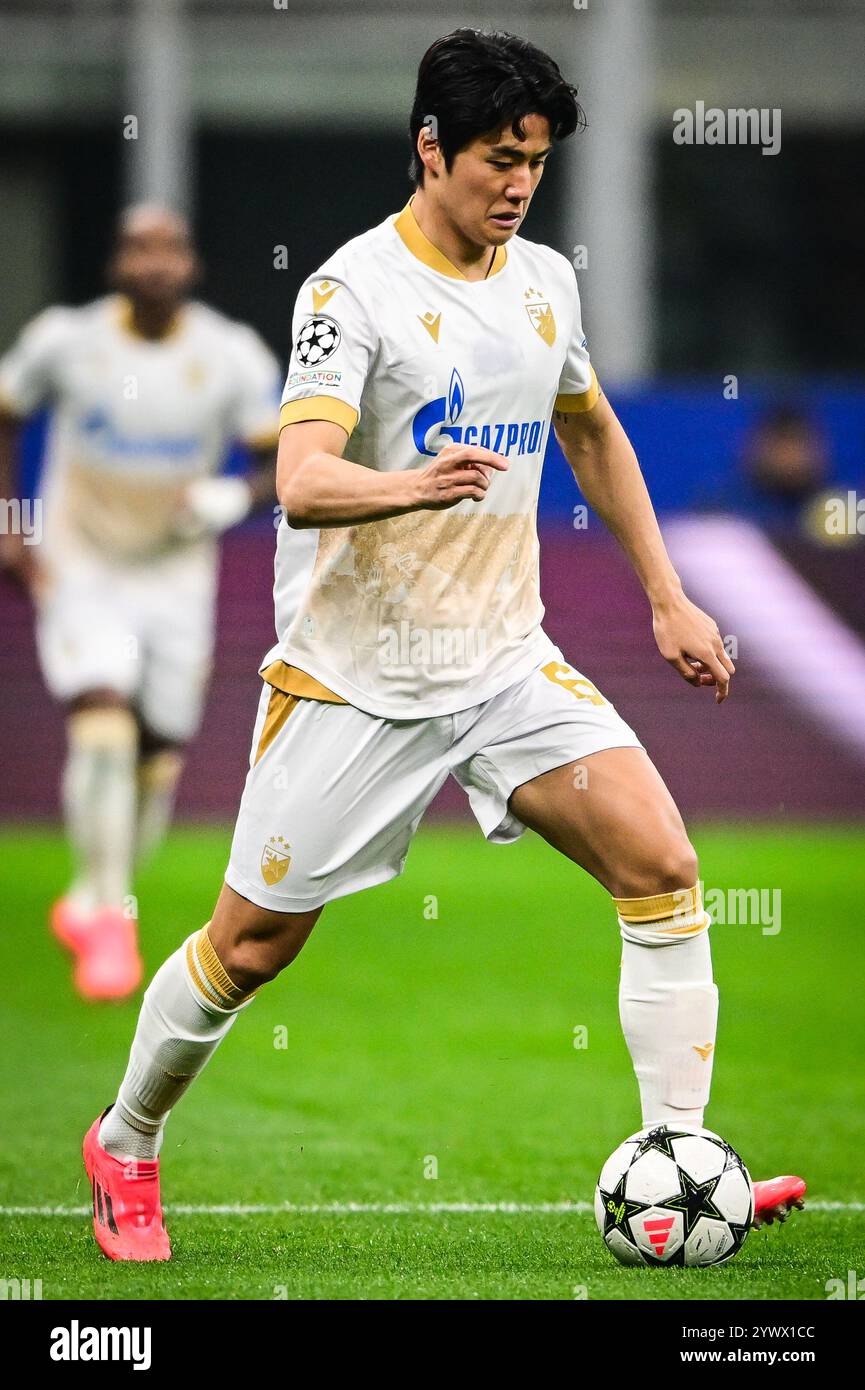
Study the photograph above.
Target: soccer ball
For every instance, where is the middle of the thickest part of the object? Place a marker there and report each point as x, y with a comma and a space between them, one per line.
670, 1196
317, 340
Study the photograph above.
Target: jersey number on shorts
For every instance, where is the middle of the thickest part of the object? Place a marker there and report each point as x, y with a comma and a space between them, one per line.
579, 687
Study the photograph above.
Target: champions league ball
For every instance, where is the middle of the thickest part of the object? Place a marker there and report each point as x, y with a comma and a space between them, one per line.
670, 1196
317, 340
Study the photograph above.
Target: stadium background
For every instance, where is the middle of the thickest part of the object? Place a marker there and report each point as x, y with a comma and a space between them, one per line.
283, 124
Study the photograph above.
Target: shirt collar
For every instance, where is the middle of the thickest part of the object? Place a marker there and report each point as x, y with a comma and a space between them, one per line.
408, 228
125, 319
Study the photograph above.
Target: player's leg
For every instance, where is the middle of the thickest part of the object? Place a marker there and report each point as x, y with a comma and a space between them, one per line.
98, 790
331, 802
160, 764
95, 919
612, 814
86, 643
552, 753
189, 1007
176, 607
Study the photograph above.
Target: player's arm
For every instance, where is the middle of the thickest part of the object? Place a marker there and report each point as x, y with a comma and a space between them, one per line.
316, 486
17, 558
213, 505
10, 430
28, 380
606, 469
261, 478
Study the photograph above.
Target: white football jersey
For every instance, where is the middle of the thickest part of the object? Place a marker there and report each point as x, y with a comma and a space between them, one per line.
433, 611
135, 419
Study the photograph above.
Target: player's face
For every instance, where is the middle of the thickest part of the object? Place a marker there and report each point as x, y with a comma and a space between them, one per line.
155, 262
493, 179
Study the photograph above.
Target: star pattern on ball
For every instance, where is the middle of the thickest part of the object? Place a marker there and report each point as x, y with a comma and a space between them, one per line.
739, 1229
617, 1207
694, 1201
661, 1140
731, 1158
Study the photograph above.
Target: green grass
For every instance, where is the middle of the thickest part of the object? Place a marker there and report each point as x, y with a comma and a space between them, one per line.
409, 1036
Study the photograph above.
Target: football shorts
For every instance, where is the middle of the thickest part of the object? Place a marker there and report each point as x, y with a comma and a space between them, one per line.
334, 795
142, 630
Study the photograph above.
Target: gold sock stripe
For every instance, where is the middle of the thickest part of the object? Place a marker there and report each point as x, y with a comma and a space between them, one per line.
214, 972
209, 990
196, 976
682, 902
160, 769
693, 930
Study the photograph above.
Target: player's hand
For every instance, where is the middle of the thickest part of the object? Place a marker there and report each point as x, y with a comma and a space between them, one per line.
689, 639
457, 472
211, 506
20, 563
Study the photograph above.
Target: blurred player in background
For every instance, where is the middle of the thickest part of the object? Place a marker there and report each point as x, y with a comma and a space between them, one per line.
148, 391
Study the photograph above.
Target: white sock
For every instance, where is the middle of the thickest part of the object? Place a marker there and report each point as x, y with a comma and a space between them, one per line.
187, 1010
158, 776
668, 1007
99, 804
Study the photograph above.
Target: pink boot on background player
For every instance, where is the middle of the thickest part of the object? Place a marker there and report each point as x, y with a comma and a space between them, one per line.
105, 946
69, 923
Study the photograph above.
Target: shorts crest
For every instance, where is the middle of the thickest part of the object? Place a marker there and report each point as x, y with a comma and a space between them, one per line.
275, 860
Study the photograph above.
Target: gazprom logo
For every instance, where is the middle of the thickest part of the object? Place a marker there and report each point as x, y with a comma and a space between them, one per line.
98, 425
456, 396
439, 417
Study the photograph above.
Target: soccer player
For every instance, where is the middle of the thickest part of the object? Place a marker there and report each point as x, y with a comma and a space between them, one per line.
148, 391
430, 354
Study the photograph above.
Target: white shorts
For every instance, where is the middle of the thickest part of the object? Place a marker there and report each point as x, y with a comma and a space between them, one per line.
143, 630
334, 796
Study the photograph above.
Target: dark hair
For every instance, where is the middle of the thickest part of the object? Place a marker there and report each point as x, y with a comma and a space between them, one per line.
471, 82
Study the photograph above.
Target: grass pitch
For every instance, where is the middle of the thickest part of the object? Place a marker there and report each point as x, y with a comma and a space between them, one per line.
417, 1062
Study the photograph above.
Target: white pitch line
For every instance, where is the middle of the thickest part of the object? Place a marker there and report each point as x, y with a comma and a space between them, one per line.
378, 1209
334, 1209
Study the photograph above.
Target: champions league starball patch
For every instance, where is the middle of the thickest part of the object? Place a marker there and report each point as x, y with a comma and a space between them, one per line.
317, 340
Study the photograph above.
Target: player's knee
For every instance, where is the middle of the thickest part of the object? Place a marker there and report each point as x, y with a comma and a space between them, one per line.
253, 962
98, 699
263, 949
153, 746
101, 728
677, 866
671, 864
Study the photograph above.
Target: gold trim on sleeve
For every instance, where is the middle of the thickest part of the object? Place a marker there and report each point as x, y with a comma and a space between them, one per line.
267, 439
573, 405
319, 408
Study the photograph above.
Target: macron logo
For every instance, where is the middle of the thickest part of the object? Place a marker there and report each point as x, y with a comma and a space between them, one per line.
77, 1343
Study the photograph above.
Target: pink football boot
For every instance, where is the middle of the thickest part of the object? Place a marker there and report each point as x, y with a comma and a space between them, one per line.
127, 1211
